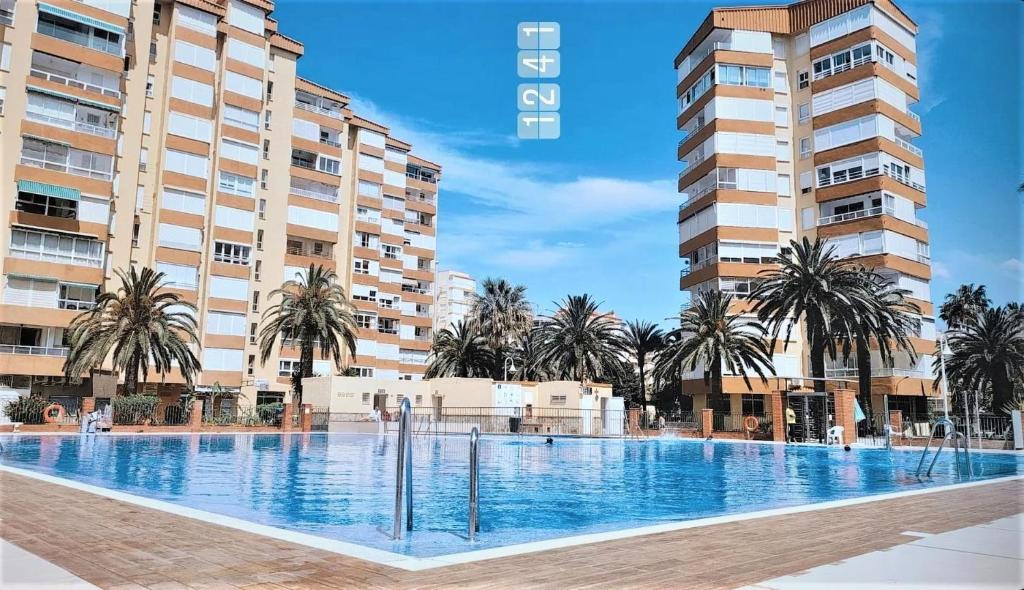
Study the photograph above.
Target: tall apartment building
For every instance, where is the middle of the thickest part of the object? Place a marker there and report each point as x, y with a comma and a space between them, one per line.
796, 122
177, 135
453, 298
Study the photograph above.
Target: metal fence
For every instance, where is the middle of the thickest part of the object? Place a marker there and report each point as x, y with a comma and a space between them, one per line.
732, 422
248, 416
491, 420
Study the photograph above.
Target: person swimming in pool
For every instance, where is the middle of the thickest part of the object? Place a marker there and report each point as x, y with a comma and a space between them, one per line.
549, 441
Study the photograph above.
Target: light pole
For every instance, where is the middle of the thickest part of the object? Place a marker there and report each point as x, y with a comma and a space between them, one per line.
509, 363
943, 345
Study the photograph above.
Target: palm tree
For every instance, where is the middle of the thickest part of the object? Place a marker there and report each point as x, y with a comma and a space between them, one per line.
578, 341
138, 325
527, 354
987, 352
503, 315
643, 340
966, 302
710, 337
315, 313
460, 350
813, 285
888, 319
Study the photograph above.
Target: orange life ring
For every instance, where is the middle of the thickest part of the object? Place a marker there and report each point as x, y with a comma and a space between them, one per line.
49, 418
751, 423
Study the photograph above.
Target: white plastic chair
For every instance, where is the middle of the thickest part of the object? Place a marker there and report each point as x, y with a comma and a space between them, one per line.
835, 435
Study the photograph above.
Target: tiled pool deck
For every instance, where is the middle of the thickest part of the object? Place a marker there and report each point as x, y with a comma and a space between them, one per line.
113, 544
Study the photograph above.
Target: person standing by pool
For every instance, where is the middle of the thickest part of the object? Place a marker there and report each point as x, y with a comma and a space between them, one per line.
790, 423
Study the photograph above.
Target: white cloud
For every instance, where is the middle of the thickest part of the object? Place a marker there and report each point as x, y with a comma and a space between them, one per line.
940, 270
516, 214
931, 32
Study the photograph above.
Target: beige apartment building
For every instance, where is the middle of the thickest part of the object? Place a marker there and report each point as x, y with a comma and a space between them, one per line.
178, 135
797, 121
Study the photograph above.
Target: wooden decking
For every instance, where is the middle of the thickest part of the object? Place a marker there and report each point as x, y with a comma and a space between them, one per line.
122, 546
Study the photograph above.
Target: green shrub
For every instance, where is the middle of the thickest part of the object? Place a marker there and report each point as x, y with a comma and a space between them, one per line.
27, 409
134, 409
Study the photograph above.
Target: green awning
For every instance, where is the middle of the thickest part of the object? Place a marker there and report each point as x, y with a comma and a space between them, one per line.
49, 190
79, 18
54, 93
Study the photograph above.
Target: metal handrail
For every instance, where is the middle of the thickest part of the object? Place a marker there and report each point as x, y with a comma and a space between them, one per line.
950, 433
403, 469
474, 482
319, 109
65, 81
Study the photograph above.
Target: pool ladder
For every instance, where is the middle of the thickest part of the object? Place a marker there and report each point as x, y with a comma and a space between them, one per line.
403, 475
957, 438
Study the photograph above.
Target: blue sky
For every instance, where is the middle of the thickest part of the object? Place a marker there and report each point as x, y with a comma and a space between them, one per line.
595, 210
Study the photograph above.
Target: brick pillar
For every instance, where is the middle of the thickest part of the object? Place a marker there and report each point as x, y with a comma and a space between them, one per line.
88, 405
306, 418
633, 415
707, 421
195, 421
896, 424
286, 417
845, 417
778, 416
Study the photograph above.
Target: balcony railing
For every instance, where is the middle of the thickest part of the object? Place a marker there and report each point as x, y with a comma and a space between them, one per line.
421, 176
703, 190
914, 115
75, 304
841, 217
33, 350
850, 373
330, 142
65, 167
78, 38
319, 109
303, 163
688, 133
329, 197
903, 179
73, 125
909, 147
6, 17
308, 251
847, 176
413, 289
699, 265
65, 81
842, 68
698, 56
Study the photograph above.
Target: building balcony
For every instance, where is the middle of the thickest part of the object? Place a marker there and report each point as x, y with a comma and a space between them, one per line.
71, 74
872, 212
79, 33
54, 247
72, 125
421, 174
330, 197
308, 250
34, 350
320, 110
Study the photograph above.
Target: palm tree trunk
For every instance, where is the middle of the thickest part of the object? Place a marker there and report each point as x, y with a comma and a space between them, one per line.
863, 368
643, 387
305, 370
817, 353
716, 381
1002, 389
131, 376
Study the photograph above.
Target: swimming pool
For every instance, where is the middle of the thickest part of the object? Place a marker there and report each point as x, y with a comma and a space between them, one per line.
341, 487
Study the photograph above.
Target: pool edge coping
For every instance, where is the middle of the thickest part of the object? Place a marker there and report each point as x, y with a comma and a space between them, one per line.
411, 563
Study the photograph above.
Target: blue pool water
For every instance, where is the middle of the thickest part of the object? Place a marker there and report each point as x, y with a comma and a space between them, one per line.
342, 486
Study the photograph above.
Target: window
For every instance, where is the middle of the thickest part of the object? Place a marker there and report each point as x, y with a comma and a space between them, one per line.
253, 327
241, 118
196, 20
266, 149
226, 324
365, 320
192, 91
195, 55
239, 151
222, 359
237, 185
233, 218
806, 182
3, 96
744, 76
5, 57
186, 163
179, 237
246, 17
143, 159
150, 83
782, 116
259, 239
781, 84
184, 201
803, 79
156, 14
369, 189
361, 267
189, 126
329, 165
257, 270
782, 151
313, 218
229, 288
231, 253
250, 366
147, 122
266, 119
390, 252
179, 276
135, 233
255, 301
245, 53
803, 112
244, 85
805, 148
263, 209
785, 186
